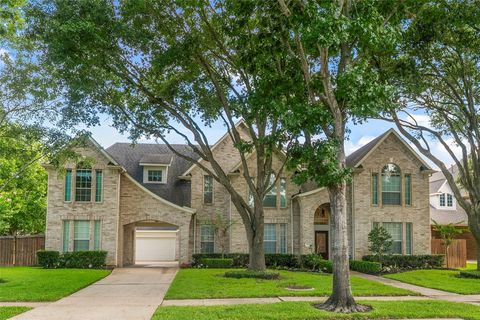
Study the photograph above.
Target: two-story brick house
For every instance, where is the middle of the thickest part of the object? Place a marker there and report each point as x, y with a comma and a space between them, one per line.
144, 204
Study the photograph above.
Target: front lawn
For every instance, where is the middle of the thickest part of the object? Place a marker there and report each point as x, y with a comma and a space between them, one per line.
210, 283
471, 266
305, 311
37, 284
8, 312
446, 280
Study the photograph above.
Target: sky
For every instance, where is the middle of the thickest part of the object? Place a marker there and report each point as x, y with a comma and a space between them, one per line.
360, 135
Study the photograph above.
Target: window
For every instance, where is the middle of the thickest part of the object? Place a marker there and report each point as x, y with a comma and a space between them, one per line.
83, 185
391, 187
68, 185
408, 190
283, 193
98, 185
449, 200
207, 189
154, 175
81, 240
396, 232
442, 200
408, 243
207, 235
374, 189
270, 200
270, 238
283, 238
96, 235
66, 234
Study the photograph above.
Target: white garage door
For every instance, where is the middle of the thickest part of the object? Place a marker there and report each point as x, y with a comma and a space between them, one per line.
154, 246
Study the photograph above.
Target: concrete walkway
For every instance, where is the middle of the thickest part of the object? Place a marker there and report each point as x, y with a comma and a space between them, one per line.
426, 292
128, 293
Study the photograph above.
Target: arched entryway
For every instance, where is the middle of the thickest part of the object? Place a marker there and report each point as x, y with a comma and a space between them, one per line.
321, 220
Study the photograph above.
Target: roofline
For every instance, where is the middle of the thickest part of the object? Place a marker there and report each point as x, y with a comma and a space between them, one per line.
165, 201
304, 194
240, 122
385, 135
103, 151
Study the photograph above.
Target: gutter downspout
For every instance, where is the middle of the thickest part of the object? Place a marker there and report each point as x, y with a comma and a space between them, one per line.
195, 233
230, 223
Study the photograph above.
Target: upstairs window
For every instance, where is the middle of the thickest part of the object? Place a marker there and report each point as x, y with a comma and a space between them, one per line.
446, 200
374, 189
68, 185
270, 200
155, 174
207, 189
98, 185
283, 193
449, 200
408, 190
391, 186
442, 200
83, 185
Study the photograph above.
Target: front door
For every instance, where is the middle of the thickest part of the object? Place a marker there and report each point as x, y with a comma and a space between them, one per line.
321, 243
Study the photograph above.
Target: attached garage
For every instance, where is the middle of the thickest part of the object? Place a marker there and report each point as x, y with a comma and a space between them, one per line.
152, 246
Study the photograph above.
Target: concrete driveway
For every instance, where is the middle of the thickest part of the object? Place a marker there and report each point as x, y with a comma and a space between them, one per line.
126, 294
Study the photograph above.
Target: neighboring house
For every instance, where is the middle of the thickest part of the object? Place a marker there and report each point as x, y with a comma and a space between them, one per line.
144, 204
444, 210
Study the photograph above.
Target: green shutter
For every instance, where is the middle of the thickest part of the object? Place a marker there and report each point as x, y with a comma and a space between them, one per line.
96, 235
408, 190
409, 228
68, 185
66, 234
98, 185
283, 193
283, 238
374, 189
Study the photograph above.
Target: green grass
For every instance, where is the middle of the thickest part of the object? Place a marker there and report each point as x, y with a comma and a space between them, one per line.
210, 283
470, 266
446, 280
8, 312
305, 311
36, 284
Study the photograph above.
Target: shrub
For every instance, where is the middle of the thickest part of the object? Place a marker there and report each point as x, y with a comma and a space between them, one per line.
471, 274
217, 262
380, 241
281, 260
83, 259
394, 263
366, 266
240, 260
48, 259
267, 275
315, 262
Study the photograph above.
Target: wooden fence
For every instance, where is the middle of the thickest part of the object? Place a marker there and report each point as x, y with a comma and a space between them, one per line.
21, 251
456, 255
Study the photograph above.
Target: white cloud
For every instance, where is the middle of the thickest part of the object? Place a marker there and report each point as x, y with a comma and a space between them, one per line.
351, 146
421, 119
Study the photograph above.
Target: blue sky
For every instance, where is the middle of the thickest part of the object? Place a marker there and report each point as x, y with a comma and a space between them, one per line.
360, 135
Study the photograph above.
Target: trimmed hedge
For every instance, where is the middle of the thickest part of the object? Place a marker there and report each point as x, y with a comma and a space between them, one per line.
394, 263
48, 259
217, 262
77, 259
267, 275
316, 263
366, 266
471, 274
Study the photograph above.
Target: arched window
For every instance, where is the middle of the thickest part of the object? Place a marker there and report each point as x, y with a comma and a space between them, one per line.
391, 185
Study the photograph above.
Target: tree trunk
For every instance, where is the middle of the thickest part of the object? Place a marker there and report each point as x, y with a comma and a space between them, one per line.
255, 245
474, 226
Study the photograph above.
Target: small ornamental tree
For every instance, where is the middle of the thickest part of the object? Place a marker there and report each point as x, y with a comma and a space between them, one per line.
380, 241
448, 233
221, 227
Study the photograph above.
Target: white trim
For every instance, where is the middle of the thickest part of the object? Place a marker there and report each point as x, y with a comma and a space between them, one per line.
226, 135
171, 204
386, 134
163, 169
301, 195
109, 157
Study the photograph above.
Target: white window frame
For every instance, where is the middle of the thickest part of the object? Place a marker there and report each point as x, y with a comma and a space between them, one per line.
213, 190
164, 170
211, 228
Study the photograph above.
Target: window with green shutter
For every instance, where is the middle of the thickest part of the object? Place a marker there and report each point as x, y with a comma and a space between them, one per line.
207, 189
68, 185
374, 189
97, 235
408, 243
83, 185
270, 238
207, 238
66, 235
283, 193
81, 239
270, 200
408, 190
396, 232
391, 185
283, 238
98, 185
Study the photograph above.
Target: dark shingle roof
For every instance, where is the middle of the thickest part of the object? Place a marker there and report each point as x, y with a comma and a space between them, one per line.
175, 190
353, 159
164, 159
449, 216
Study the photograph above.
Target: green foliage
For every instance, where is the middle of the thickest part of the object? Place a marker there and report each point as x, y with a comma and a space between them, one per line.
266, 275
448, 232
216, 263
315, 262
48, 259
471, 274
366, 266
10, 17
395, 263
380, 241
77, 259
